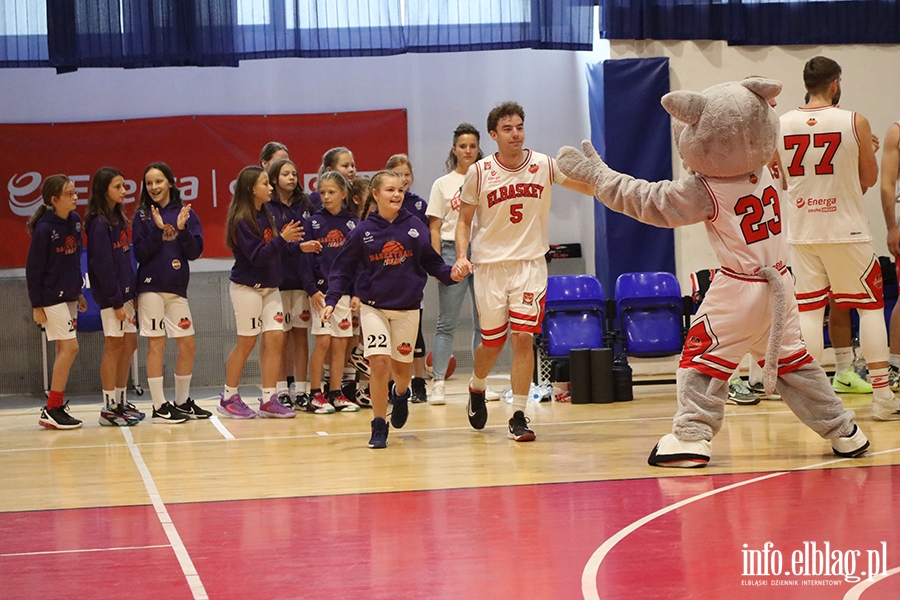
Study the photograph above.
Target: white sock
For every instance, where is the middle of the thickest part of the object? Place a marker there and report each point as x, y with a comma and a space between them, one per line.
230, 391
109, 398
120, 395
477, 384
302, 387
182, 388
156, 391
880, 388
519, 402
282, 386
895, 360
843, 358
267, 393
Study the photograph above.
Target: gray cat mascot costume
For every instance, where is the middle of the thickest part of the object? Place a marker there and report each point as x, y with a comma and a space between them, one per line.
726, 135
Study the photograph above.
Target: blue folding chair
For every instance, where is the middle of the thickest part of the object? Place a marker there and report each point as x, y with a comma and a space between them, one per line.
650, 311
574, 314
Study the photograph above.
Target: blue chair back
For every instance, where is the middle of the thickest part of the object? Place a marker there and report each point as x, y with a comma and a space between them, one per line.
650, 310
574, 314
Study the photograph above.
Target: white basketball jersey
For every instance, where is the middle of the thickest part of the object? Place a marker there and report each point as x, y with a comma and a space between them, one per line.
746, 229
819, 155
512, 207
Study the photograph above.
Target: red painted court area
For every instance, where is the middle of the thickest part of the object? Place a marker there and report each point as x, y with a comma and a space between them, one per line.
530, 541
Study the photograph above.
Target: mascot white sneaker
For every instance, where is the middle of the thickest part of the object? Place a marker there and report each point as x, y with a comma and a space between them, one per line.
726, 135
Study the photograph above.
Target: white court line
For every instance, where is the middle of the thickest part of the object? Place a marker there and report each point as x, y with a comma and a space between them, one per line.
87, 550
181, 553
589, 574
218, 425
856, 591
322, 433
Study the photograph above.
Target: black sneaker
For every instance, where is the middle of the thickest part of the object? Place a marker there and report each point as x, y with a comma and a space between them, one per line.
301, 401
117, 416
518, 428
400, 412
477, 409
419, 391
284, 399
168, 413
193, 411
379, 433
132, 410
58, 418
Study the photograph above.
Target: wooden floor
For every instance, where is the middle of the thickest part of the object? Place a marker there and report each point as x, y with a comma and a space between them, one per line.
301, 508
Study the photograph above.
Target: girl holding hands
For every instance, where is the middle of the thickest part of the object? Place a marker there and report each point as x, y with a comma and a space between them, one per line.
387, 259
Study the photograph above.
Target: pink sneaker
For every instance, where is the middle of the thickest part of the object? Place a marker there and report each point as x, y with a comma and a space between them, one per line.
273, 409
234, 407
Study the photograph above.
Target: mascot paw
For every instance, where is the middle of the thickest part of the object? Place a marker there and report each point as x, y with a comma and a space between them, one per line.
672, 452
851, 446
581, 165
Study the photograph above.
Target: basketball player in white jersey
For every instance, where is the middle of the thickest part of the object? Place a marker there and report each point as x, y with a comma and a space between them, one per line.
828, 159
890, 196
504, 209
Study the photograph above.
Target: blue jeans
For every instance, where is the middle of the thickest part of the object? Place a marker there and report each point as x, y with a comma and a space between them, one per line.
451, 300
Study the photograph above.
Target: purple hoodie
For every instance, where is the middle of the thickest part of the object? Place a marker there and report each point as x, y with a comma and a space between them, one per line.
416, 205
53, 267
332, 232
163, 254
257, 257
292, 263
388, 263
110, 269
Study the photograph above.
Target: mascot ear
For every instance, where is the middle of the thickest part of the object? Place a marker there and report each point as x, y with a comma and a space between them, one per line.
684, 106
767, 88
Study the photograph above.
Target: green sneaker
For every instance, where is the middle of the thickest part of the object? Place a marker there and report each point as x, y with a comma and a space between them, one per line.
739, 393
849, 382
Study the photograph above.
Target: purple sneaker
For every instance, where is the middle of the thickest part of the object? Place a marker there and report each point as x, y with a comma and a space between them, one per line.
273, 409
235, 408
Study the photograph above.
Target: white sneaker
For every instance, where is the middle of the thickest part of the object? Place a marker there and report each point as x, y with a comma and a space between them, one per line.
886, 410
490, 395
436, 397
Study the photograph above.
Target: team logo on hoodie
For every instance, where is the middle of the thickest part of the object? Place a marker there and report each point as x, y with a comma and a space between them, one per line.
169, 233
176, 264
70, 246
334, 239
413, 233
392, 253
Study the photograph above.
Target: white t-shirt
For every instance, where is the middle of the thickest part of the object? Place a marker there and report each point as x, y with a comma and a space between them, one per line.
444, 203
512, 207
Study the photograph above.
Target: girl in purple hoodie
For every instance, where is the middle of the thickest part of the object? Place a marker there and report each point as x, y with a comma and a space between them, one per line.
112, 283
257, 243
167, 236
386, 261
53, 275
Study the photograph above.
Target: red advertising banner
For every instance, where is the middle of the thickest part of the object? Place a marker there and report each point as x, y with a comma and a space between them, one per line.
206, 154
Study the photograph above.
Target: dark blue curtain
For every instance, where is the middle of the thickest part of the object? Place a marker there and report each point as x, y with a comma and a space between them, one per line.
151, 33
753, 22
632, 131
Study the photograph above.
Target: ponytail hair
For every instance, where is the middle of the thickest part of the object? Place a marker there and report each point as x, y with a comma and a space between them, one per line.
50, 189
376, 183
99, 204
330, 159
338, 178
463, 129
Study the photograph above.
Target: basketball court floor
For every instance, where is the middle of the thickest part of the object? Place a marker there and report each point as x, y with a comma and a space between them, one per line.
301, 508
